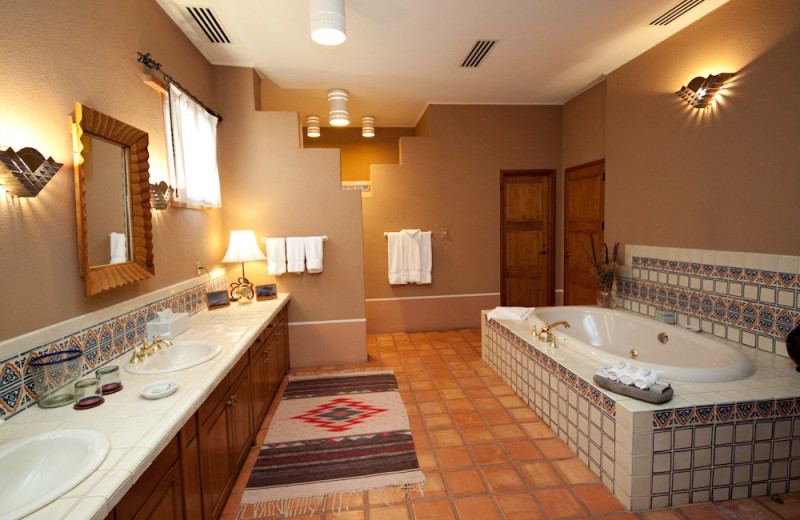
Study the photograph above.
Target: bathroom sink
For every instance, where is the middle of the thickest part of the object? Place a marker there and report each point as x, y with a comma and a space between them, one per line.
39, 469
181, 355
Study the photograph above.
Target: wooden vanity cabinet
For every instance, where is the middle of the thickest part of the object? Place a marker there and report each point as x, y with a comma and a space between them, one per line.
158, 494
192, 477
224, 434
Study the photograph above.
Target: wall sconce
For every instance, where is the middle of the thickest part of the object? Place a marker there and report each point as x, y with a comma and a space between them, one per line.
242, 248
368, 126
27, 172
328, 22
337, 104
312, 126
701, 92
159, 195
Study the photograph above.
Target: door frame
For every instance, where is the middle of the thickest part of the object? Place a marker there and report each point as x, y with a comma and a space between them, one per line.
551, 265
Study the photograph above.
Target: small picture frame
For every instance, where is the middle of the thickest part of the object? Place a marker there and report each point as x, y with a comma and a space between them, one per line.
266, 292
217, 299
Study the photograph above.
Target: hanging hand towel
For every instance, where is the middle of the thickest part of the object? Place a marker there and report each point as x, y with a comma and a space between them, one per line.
425, 257
411, 256
276, 256
395, 253
313, 247
295, 254
119, 248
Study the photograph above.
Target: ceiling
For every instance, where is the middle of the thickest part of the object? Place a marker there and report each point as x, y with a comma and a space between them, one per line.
401, 55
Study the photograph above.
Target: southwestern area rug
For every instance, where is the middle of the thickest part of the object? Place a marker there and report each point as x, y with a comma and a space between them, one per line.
332, 436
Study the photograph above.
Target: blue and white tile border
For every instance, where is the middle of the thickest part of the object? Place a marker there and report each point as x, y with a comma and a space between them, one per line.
752, 299
102, 336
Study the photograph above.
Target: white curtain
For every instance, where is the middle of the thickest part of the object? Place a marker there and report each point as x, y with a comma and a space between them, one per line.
194, 142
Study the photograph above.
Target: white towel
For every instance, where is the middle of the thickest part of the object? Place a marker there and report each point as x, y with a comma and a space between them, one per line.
295, 254
118, 248
276, 256
313, 247
411, 255
510, 313
395, 259
618, 369
644, 379
626, 376
425, 257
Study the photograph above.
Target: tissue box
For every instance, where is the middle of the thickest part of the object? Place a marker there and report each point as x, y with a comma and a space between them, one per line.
168, 327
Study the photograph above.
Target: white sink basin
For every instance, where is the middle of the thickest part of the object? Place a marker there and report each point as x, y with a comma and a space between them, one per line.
181, 355
37, 470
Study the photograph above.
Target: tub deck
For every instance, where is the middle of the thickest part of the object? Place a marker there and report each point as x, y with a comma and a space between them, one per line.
711, 442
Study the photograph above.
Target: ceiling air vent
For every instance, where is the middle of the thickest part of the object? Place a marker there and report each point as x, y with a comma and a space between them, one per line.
205, 19
682, 8
478, 52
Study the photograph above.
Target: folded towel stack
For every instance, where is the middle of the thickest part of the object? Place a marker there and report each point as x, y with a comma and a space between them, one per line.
628, 375
510, 313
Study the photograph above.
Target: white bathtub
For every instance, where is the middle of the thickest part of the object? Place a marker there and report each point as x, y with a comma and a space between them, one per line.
609, 335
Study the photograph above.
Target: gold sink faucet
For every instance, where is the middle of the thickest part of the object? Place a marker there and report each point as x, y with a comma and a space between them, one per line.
547, 336
148, 349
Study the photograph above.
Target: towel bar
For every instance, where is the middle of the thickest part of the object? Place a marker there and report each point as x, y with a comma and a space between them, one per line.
386, 233
324, 239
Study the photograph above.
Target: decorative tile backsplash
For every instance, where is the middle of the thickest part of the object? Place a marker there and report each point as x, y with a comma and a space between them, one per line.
101, 336
748, 298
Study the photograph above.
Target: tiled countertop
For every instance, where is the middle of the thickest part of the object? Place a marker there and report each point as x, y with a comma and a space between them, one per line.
139, 428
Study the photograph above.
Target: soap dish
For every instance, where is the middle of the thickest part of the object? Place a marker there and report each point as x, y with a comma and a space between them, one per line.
159, 389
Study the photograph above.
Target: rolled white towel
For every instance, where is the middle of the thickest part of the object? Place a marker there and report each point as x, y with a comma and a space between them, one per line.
617, 370
644, 379
626, 376
603, 372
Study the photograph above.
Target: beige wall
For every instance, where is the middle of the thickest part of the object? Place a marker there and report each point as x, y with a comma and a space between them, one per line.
358, 153
726, 178
53, 54
278, 189
450, 180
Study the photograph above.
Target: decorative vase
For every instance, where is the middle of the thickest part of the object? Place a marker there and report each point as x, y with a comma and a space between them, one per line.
605, 296
793, 346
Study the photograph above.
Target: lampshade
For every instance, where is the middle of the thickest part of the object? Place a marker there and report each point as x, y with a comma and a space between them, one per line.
701, 92
337, 104
328, 22
312, 126
243, 247
368, 126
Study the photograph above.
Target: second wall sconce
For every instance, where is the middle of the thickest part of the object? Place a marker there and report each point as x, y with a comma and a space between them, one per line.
159, 195
25, 173
700, 92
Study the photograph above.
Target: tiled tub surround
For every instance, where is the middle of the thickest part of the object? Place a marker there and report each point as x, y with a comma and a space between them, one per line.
749, 298
138, 428
102, 336
712, 441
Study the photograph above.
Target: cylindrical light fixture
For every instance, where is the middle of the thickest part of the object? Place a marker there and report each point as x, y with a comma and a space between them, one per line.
312, 126
337, 104
328, 22
368, 126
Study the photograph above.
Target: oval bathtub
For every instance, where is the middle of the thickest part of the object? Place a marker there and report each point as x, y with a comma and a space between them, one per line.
608, 335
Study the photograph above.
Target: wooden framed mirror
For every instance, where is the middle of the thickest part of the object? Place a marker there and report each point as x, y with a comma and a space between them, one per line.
112, 201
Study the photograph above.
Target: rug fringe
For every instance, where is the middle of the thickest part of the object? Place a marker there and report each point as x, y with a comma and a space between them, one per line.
335, 503
305, 373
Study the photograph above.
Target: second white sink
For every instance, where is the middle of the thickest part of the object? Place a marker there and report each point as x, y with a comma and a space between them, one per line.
180, 356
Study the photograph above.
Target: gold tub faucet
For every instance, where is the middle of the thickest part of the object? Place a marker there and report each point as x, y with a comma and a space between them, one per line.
547, 336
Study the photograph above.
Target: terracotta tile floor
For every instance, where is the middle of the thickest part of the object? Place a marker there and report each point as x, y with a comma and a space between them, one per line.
485, 454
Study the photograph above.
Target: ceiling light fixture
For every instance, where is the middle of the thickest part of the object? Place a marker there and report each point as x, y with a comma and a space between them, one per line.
328, 22
701, 92
368, 126
337, 104
312, 126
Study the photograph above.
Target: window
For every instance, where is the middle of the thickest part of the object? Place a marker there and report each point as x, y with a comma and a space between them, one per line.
192, 150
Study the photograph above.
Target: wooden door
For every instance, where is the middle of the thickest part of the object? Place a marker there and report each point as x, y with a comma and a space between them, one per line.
527, 220
584, 193
241, 418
